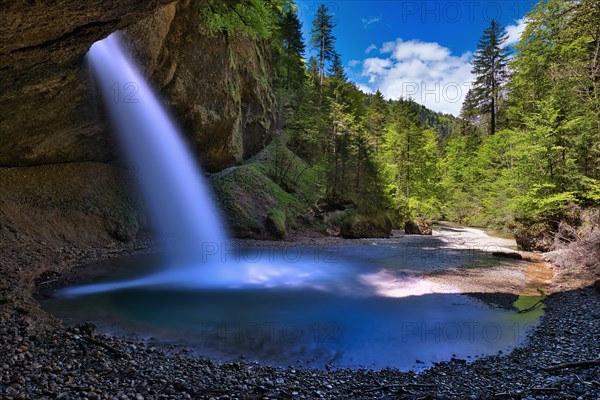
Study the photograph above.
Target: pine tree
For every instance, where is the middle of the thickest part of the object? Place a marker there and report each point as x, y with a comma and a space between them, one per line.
313, 70
469, 109
293, 47
490, 70
322, 38
336, 70
377, 112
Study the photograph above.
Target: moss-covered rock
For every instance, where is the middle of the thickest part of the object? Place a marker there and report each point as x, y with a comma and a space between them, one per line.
534, 237
275, 223
418, 226
249, 192
355, 224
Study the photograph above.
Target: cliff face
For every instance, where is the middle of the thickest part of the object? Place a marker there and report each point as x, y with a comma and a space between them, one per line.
215, 87
63, 199
46, 112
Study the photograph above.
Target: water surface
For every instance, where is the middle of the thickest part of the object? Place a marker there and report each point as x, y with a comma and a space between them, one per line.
356, 306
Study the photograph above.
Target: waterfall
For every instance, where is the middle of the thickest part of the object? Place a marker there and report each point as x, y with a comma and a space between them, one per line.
180, 205
198, 252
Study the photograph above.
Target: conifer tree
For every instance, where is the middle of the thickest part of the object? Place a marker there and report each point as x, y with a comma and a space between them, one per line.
293, 46
490, 70
322, 38
336, 70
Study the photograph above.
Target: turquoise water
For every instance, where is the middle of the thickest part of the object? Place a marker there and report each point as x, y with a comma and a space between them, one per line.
339, 317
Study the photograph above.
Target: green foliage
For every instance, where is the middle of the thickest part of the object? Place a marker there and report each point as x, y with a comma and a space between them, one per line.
291, 65
365, 222
489, 68
276, 223
542, 202
348, 147
251, 18
322, 38
410, 163
549, 158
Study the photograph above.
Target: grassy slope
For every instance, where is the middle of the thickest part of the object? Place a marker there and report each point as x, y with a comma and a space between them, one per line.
249, 192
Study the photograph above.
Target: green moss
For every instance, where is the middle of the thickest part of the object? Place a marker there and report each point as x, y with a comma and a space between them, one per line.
249, 192
252, 18
361, 223
276, 223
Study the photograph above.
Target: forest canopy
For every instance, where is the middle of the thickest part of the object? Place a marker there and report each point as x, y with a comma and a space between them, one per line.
525, 147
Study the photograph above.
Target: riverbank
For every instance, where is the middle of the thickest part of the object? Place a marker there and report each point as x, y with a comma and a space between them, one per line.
41, 359
73, 363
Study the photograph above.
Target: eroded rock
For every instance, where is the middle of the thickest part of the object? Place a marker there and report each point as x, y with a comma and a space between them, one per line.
217, 87
534, 237
372, 224
418, 226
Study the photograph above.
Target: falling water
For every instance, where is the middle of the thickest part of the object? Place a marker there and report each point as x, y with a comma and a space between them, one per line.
171, 182
178, 202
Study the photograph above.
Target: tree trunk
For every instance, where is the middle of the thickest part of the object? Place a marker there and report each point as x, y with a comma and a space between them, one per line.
322, 61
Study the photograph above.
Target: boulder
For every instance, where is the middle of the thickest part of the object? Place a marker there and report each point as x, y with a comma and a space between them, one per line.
247, 196
418, 226
356, 224
275, 224
534, 237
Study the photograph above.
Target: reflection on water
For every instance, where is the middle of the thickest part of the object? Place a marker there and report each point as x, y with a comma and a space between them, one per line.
223, 265
365, 307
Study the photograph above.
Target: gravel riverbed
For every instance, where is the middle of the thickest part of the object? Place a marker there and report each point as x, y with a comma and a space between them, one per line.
41, 359
77, 364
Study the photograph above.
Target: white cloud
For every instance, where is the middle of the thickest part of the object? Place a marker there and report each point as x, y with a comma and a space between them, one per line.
424, 71
370, 21
364, 88
375, 67
422, 51
515, 31
353, 63
387, 47
370, 48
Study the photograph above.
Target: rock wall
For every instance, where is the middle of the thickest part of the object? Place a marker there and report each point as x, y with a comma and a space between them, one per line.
46, 112
217, 87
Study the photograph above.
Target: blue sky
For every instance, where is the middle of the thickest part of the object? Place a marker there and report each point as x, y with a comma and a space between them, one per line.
419, 49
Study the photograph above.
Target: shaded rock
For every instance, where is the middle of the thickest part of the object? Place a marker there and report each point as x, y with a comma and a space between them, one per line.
217, 87
47, 110
504, 254
69, 203
275, 224
534, 237
418, 226
332, 205
356, 224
